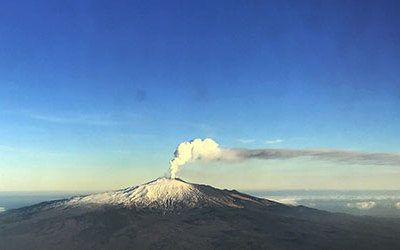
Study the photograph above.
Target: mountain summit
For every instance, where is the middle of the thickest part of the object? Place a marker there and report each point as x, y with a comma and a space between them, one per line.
168, 194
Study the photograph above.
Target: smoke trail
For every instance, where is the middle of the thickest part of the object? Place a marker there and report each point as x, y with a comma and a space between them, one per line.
345, 156
208, 149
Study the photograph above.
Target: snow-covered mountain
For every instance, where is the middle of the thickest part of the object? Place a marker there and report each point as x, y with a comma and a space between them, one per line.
168, 194
174, 214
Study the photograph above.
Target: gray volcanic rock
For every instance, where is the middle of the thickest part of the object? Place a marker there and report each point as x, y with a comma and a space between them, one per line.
173, 214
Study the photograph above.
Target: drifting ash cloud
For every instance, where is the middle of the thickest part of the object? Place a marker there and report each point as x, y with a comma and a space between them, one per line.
209, 150
350, 157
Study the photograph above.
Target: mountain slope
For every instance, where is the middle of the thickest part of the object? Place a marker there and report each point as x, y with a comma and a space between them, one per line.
173, 214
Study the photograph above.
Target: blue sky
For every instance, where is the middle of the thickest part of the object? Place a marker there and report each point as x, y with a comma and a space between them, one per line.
105, 90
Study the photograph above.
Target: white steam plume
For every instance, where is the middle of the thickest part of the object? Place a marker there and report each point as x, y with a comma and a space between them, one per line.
208, 149
196, 149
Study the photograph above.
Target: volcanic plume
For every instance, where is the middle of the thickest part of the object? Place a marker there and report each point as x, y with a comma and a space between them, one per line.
196, 149
209, 150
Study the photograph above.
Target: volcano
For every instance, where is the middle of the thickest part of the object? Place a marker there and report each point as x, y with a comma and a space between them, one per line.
168, 195
174, 214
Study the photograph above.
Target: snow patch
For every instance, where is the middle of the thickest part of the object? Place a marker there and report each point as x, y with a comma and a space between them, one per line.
288, 201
